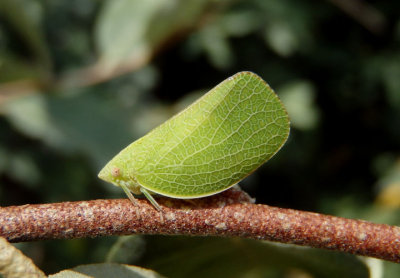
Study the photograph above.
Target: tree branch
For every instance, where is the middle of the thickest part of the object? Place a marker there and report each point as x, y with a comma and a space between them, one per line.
230, 213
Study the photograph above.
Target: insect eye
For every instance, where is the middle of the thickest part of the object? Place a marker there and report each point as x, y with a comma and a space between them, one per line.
115, 172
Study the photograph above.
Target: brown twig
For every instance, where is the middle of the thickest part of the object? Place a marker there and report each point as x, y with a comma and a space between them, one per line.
227, 214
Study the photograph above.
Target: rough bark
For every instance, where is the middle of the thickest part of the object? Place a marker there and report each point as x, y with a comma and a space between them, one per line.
231, 213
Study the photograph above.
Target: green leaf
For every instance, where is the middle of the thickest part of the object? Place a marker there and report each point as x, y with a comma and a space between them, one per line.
298, 97
129, 31
126, 250
49, 118
222, 257
106, 270
23, 21
13, 263
102, 121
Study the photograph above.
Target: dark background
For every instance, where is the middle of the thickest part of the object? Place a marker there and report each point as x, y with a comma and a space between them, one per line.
82, 79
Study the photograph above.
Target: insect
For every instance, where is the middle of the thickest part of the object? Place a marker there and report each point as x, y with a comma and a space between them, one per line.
208, 147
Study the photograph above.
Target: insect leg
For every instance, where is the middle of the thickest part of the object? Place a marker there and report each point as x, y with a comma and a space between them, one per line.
150, 198
129, 194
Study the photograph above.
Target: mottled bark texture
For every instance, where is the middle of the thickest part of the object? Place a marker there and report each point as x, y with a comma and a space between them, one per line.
231, 213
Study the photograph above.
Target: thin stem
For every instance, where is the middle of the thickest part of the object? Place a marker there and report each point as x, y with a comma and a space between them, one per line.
230, 213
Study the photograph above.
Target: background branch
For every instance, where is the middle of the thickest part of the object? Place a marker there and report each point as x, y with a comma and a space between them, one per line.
231, 213
366, 15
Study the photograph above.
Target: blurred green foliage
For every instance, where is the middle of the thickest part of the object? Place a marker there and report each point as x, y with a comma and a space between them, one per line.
81, 79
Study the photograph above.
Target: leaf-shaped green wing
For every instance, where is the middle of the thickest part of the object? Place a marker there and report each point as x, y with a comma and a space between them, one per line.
214, 143
208, 147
